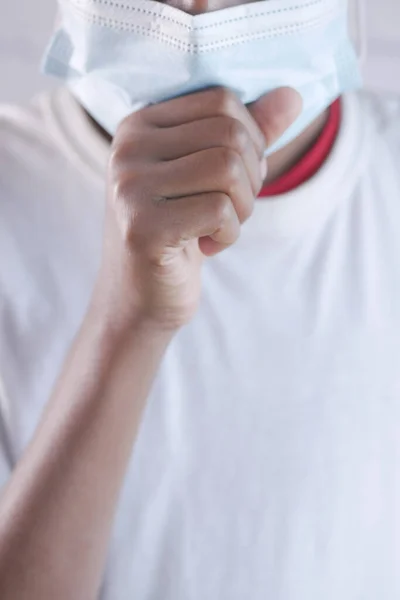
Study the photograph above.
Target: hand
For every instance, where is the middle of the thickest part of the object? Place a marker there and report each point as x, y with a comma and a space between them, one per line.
183, 177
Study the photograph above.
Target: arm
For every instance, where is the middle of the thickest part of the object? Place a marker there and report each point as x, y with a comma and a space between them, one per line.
57, 511
183, 176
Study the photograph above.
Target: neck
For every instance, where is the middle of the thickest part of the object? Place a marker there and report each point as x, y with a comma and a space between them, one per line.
280, 162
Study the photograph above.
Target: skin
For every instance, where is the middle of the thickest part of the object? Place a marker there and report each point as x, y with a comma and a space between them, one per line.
182, 178
283, 160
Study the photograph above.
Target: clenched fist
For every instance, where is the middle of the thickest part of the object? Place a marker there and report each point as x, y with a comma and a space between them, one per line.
183, 176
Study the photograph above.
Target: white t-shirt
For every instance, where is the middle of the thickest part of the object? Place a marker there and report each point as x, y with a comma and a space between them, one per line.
268, 461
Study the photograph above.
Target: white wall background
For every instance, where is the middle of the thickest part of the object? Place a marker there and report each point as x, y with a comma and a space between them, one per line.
383, 59
25, 26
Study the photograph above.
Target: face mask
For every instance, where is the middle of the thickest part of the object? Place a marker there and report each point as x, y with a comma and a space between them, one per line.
119, 56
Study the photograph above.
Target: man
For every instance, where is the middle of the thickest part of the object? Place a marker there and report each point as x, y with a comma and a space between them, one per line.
262, 369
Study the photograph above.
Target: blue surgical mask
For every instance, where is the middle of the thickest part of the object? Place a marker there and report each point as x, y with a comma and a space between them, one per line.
118, 57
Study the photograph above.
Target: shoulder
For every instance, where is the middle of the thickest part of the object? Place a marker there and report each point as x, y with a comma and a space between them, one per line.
48, 208
43, 176
28, 160
28, 149
21, 128
50, 242
52, 130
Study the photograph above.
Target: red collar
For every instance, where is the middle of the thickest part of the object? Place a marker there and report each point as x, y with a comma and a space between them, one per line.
308, 166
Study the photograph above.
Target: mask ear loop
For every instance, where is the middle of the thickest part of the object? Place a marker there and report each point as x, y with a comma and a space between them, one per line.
362, 40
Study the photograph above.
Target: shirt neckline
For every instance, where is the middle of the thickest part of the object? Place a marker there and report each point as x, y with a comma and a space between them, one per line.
291, 214
311, 162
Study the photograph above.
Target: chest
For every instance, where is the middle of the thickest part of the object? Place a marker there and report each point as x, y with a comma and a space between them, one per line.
268, 456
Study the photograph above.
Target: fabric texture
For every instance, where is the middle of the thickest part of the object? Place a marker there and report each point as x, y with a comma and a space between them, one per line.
267, 463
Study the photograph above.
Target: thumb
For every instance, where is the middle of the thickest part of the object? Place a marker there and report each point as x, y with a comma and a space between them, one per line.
275, 112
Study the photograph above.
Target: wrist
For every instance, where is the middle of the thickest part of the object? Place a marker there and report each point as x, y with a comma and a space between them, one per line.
116, 329
123, 311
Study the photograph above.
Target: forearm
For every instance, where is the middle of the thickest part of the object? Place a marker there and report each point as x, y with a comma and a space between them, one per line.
57, 511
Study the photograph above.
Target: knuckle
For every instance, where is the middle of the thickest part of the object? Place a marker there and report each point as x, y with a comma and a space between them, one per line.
120, 153
133, 211
237, 135
133, 225
125, 187
222, 211
128, 143
127, 205
225, 100
232, 166
124, 217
